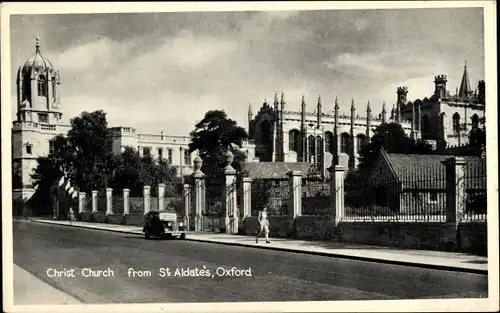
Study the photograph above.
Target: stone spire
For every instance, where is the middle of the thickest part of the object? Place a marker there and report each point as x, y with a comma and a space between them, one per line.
282, 102
368, 120
318, 113
303, 128
384, 113
275, 103
465, 88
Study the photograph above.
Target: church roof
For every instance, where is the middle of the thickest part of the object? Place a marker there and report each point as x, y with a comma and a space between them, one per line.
465, 88
421, 171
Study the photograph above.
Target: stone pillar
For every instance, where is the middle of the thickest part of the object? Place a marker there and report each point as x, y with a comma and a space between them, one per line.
186, 195
125, 201
146, 195
109, 201
81, 202
161, 196
455, 189
246, 197
337, 174
94, 201
230, 201
295, 194
199, 197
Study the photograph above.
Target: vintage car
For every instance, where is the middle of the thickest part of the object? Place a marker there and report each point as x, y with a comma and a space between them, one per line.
163, 224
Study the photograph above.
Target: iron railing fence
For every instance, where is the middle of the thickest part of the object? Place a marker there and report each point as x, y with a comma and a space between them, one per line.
271, 193
475, 190
316, 198
408, 194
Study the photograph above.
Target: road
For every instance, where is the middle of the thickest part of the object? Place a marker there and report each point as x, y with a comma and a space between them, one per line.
275, 276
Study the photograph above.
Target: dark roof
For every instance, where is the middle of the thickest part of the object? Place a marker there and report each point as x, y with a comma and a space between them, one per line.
274, 170
420, 171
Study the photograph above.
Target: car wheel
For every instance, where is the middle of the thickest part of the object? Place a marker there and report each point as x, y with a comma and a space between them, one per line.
168, 236
146, 235
183, 236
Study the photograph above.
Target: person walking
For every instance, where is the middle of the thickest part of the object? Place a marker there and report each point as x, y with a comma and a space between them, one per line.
263, 225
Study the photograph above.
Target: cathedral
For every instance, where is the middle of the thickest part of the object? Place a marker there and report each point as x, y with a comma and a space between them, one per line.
322, 137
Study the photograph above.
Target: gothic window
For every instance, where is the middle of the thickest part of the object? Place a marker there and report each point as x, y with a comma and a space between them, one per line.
29, 149
42, 86
456, 123
265, 129
319, 148
311, 145
329, 142
425, 125
344, 143
293, 138
360, 142
475, 121
146, 152
54, 88
160, 153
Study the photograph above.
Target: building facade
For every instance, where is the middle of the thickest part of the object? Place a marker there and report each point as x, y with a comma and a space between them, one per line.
326, 137
39, 120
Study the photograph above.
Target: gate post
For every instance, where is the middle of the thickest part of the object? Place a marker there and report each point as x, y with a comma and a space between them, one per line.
81, 202
161, 196
246, 197
455, 197
337, 173
94, 201
186, 195
146, 193
198, 190
295, 193
125, 201
109, 201
230, 196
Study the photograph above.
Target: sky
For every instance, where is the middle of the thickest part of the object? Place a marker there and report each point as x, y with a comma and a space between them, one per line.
163, 71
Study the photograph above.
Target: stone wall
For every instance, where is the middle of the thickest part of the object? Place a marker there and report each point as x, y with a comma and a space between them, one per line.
115, 218
135, 219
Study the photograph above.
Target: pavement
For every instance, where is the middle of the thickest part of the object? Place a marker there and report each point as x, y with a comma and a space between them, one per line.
28, 287
106, 267
451, 261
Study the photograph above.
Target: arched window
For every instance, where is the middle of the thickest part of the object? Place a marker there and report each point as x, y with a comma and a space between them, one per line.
475, 121
265, 129
329, 142
360, 142
456, 123
42, 86
311, 146
54, 89
425, 125
319, 148
293, 139
344, 143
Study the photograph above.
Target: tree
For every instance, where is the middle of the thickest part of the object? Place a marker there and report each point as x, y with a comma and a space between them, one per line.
213, 136
393, 139
90, 151
17, 180
477, 137
134, 172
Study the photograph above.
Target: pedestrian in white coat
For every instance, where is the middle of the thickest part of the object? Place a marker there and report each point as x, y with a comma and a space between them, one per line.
263, 225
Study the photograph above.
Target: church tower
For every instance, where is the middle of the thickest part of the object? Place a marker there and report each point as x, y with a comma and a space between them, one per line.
39, 113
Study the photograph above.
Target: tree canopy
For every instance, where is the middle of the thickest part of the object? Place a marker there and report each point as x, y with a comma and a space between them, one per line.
393, 139
213, 136
477, 137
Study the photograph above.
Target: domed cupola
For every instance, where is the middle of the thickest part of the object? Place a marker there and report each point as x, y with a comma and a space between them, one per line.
37, 64
37, 89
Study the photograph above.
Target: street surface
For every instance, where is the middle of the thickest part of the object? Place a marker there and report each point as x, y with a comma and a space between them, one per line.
275, 275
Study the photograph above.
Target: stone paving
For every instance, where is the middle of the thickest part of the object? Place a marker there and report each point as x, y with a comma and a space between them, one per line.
423, 258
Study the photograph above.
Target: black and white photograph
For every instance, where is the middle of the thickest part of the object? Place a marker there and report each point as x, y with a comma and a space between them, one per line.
249, 157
